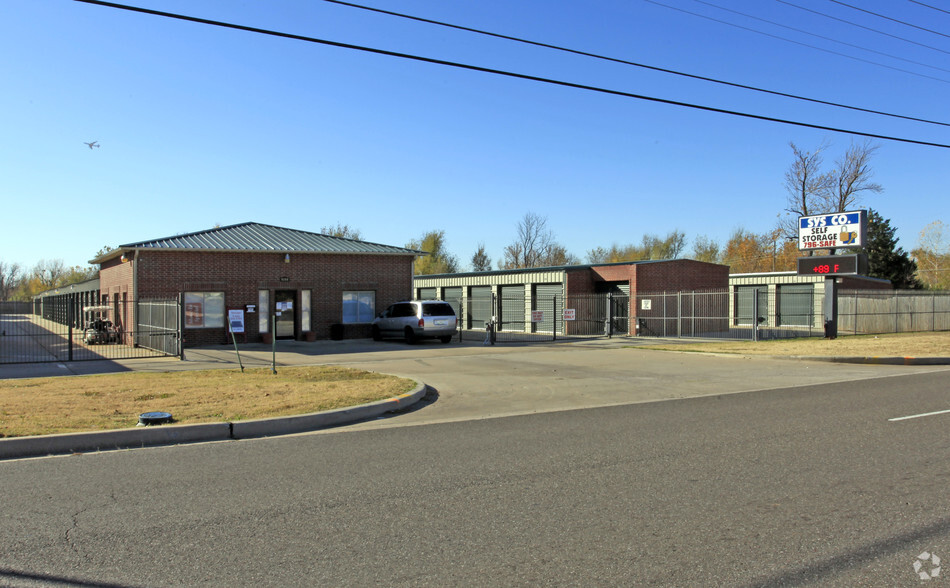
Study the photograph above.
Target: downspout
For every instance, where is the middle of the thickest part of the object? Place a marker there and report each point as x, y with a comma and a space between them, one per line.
135, 295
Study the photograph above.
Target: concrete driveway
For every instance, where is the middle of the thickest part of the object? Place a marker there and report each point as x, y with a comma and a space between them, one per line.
475, 381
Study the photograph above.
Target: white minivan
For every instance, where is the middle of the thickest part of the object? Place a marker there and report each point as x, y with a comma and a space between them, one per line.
416, 319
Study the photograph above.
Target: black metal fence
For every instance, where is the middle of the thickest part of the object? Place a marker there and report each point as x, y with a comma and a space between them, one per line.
64, 329
516, 318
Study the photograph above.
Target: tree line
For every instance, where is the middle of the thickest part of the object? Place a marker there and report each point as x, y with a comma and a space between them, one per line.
20, 283
811, 188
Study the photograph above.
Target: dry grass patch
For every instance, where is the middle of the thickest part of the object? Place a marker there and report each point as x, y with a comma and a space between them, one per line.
891, 345
41, 406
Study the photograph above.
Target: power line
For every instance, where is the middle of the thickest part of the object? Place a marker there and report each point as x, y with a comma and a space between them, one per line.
635, 64
930, 7
804, 32
854, 24
906, 24
501, 72
787, 40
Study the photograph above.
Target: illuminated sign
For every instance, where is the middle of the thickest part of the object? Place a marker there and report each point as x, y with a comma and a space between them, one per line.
833, 265
832, 231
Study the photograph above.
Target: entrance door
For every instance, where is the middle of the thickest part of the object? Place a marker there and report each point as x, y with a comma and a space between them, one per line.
286, 311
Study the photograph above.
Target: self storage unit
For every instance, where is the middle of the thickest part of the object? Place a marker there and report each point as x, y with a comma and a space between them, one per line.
786, 299
281, 282
534, 300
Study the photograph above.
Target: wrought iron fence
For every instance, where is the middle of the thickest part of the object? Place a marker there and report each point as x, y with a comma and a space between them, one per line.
516, 317
745, 314
65, 332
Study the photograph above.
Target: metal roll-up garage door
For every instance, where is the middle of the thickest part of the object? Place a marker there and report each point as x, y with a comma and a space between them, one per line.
454, 297
549, 299
427, 293
511, 300
746, 298
479, 305
796, 304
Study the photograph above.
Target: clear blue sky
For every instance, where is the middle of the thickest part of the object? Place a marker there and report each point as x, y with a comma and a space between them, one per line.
202, 126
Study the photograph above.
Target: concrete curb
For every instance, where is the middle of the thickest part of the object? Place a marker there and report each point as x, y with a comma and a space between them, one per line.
878, 360
43, 445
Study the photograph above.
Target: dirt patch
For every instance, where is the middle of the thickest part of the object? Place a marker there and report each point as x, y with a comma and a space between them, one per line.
41, 406
893, 345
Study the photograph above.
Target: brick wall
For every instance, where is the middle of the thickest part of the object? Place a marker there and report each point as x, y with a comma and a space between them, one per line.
164, 274
679, 275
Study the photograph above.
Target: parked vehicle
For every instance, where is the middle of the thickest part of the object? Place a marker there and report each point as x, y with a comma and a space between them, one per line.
99, 329
416, 319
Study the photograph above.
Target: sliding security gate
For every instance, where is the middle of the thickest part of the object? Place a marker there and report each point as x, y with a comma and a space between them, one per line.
547, 300
159, 326
512, 303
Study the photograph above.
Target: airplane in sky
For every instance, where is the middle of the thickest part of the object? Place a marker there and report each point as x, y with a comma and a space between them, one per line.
93, 144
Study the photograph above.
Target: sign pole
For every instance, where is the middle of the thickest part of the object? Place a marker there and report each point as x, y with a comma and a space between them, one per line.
273, 339
830, 306
234, 339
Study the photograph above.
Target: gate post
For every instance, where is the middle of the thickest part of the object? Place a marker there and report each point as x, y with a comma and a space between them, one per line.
69, 319
181, 326
609, 327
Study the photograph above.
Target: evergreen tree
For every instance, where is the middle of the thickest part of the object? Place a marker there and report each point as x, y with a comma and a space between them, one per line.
480, 261
885, 259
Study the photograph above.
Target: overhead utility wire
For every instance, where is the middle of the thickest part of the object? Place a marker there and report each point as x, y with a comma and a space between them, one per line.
906, 24
626, 62
930, 7
780, 38
804, 32
500, 72
854, 24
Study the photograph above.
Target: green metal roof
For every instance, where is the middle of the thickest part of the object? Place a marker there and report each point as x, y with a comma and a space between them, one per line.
256, 237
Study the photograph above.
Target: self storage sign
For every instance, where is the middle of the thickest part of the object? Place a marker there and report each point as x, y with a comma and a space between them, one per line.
832, 231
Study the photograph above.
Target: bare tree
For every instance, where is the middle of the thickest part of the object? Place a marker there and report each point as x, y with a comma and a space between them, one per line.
852, 178
50, 273
10, 279
531, 243
807, 187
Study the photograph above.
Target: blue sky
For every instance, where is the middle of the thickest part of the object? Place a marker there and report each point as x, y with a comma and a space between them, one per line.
202, 126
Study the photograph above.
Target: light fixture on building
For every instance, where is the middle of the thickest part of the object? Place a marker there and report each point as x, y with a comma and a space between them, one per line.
126, 257
286, 258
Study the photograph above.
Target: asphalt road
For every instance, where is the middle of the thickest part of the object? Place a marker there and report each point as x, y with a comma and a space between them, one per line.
786, 486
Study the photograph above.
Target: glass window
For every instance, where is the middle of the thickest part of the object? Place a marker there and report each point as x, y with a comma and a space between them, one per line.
263, 310
305, 310
204, 310
359, 306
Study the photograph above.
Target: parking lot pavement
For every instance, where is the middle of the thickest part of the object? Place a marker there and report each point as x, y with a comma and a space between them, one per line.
475, 381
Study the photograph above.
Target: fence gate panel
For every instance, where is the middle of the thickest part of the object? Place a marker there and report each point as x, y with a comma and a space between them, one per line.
512, 311
479, 307
545, 300
74, 327
158, 326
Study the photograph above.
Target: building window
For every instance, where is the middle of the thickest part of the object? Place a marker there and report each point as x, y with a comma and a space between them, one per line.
204, 310
305, 310
359, 307
263, 310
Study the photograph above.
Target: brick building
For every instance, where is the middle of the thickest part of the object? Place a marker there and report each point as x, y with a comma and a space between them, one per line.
285, 283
